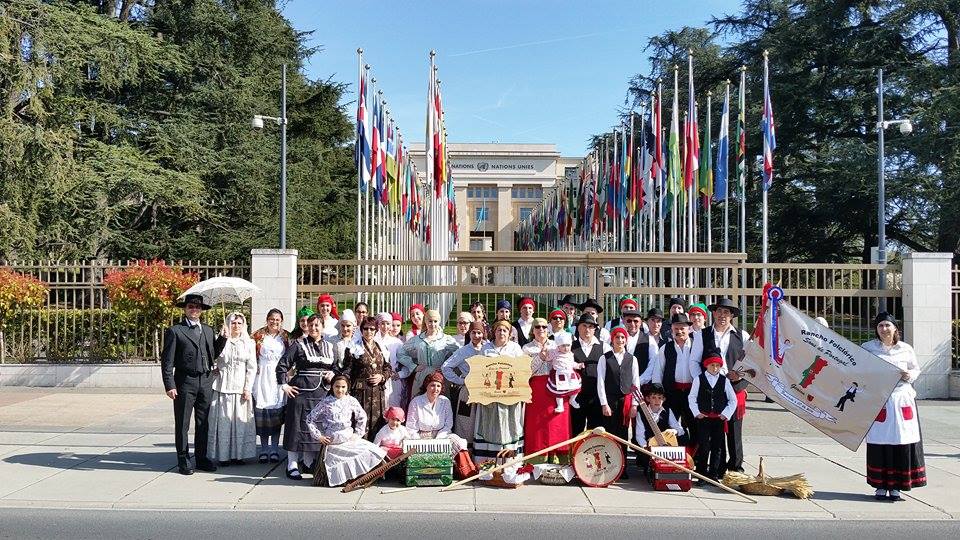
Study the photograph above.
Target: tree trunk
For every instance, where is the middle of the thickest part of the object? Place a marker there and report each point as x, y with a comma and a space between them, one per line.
3, 348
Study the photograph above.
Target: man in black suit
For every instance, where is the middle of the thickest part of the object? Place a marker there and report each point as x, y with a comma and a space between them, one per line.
189, 353
648, 344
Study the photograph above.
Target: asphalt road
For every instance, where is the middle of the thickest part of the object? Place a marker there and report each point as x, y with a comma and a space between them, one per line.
107, 524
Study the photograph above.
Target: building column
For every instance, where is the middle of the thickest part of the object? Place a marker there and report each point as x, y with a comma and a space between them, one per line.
275, 272
503, 234
927, 319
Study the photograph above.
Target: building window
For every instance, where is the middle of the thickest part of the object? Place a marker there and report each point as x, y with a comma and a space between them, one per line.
525, 192
480, 214
482, 192
525, 213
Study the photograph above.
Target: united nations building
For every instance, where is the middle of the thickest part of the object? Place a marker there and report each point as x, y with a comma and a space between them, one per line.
498, 186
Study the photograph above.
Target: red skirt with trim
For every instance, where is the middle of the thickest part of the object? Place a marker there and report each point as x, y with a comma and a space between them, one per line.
542, 426
896, 466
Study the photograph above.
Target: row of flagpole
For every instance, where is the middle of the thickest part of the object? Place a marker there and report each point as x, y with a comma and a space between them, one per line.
629, 177
401, 216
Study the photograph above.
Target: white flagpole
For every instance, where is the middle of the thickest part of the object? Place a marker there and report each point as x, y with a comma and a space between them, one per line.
726, 186
743, 172
360, 163
708, 200
766, 76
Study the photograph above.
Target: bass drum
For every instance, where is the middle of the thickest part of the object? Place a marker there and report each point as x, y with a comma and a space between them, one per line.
598, 461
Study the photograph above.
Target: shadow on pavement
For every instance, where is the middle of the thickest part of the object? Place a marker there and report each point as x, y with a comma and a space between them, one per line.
838, 496
115, 461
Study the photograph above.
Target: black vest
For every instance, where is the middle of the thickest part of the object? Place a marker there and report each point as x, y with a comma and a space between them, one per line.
589, 362
734, 350
521, 339
712, 400
617, 381
663, 423
670, 363
642, 351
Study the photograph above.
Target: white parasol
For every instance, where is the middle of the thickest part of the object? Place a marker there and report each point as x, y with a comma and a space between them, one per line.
222, 290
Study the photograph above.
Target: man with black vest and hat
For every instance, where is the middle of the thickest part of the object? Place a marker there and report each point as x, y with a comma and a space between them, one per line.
678, 363
594, 309
676, 305
587, 352
648, 344
726, 341
569, 306
190, 349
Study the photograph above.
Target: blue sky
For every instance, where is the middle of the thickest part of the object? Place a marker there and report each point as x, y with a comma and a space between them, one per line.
511, 71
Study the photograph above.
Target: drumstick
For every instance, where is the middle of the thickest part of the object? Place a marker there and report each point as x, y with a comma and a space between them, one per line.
521, 459
677, 465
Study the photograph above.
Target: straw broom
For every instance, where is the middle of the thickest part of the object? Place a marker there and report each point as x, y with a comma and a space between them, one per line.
764, 485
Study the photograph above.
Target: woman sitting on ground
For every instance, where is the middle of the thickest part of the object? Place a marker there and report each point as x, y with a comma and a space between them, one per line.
431, 414
338, 422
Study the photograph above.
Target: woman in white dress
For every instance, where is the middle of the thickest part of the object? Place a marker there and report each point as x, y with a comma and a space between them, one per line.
268, 399
233, 433
338, 422
327, 310
894, 447
431, 415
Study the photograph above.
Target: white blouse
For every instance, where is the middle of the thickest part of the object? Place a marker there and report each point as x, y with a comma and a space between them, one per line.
424, 416
236, 366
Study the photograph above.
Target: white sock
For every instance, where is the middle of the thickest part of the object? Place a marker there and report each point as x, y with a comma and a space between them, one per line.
894, 492
559, 405
292, 458
573, 402
881, 492
308, 458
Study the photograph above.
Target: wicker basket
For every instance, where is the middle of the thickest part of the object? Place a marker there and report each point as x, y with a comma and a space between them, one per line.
552, 477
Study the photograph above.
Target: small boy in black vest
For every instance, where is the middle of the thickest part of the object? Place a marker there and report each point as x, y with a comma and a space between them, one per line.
617, 379
712, 402
662, 417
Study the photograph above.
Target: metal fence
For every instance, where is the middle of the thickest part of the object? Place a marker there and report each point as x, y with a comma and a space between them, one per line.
76, 323
846, 295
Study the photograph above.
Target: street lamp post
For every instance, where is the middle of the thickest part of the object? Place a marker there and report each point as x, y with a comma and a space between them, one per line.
257, 123
905, 128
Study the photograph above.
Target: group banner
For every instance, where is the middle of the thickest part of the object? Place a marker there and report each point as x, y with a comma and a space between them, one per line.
815, 373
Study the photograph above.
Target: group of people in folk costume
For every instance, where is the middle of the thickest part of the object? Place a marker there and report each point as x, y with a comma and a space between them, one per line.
347, 389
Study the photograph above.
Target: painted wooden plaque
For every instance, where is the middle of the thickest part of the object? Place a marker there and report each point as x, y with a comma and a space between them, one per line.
499, 379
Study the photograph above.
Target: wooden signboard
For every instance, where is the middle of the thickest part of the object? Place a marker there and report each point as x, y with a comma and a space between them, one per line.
499, 379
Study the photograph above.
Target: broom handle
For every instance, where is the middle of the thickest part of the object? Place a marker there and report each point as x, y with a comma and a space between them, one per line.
520, 459
611, 436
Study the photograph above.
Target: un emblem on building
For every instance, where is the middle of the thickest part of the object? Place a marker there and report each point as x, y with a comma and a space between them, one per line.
483, 166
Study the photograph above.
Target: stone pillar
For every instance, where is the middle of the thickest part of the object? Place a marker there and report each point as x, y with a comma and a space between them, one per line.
504, 232
927, 319
275, 272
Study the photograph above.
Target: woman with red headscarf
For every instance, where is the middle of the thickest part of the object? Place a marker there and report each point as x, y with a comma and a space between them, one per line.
327, 310
416, 321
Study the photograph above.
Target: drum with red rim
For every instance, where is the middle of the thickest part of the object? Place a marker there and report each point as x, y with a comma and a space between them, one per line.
598, 461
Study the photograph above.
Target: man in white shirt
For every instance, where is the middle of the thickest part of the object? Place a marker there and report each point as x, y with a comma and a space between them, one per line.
617, 377
676, 367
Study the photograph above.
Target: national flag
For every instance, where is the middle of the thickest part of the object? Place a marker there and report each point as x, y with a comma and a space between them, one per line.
363, 133
741, 178
723, 150
432, 120
691, 142
767, 128
706, 172
673, 147
390, 163
375, 147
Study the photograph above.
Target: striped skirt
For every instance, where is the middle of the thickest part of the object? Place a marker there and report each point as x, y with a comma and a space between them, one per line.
896, 466
269, 421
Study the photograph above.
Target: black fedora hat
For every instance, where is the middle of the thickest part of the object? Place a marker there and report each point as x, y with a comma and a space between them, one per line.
590, 302
655, 312
680, 318
725, 303
586, 318
630, 313
567, 299
677, 301
193, 299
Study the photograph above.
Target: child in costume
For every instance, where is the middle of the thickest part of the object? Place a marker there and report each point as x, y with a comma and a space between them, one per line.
712, 402
391, 436
662, 417
564, 380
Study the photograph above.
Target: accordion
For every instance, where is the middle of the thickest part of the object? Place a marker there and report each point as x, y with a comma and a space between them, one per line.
431, 464
665, 476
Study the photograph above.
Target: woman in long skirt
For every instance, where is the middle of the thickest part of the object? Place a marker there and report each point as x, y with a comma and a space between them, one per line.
232, 435
543, 426
316, 366
268, 399
497, 426
894, 447
369, 371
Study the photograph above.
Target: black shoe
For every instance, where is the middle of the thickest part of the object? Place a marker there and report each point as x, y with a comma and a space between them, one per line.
274, 457
183, 466
879, 497
294, 474
207, 465
224, 463
237, 462
894, 498
263, 458
625, 475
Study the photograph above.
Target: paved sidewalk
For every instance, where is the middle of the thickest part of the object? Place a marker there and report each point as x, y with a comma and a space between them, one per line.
89, 449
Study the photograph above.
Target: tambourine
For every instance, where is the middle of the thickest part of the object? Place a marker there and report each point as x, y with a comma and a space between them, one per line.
598, 461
